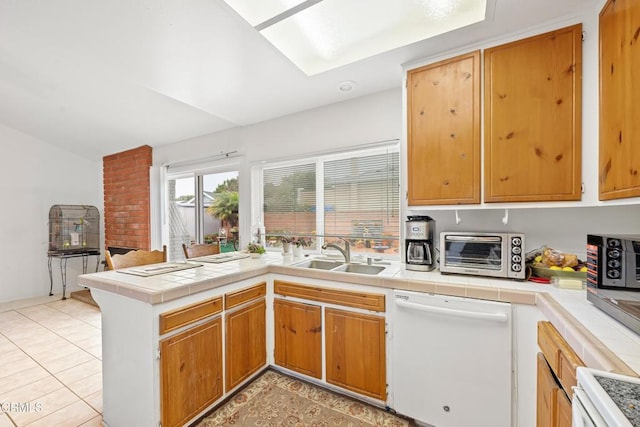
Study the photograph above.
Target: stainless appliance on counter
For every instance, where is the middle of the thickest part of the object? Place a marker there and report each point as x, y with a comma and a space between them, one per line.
605, 399
483, 254
613, 276
419, 243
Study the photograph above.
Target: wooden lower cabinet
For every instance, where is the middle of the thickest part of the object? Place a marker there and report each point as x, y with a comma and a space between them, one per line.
297, 337
245, 347
557, 364
547, 388
190, 372
355, 352
563, 410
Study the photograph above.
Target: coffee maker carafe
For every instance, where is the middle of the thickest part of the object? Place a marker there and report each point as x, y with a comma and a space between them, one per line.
419, 243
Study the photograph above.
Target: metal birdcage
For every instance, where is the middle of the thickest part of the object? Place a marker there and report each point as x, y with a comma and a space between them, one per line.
74, 229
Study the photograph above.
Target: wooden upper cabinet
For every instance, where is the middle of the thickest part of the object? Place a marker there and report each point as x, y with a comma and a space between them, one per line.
443, 125
533, 118
619, 88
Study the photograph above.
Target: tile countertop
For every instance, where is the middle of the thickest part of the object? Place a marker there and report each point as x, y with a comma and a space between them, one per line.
601, 341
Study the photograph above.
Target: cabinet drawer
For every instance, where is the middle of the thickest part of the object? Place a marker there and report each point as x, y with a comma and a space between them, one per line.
561, 357
366, 301
233, 299
183, 316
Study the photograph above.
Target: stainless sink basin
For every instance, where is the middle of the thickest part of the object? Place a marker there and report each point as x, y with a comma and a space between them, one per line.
359, 268
319, 264
340, 266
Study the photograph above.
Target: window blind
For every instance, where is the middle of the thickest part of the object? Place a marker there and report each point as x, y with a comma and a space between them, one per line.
359, 191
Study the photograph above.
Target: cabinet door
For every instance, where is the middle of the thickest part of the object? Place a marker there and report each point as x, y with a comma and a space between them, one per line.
533, 118
563, 410
546, 394
619, 167
190, 372
298, 339
245, 346
443, 115
355, 352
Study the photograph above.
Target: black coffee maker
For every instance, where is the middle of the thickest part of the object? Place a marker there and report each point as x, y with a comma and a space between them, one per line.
419, 243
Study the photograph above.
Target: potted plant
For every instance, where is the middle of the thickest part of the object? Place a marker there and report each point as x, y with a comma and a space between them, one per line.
299, 243
286, 244
255, 249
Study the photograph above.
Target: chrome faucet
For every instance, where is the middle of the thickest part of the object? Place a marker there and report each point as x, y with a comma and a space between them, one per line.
346, 252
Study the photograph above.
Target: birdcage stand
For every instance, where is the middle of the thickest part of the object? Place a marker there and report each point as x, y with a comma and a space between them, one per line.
63, 266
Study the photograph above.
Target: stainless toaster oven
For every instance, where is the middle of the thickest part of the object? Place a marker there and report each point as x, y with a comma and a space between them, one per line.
483, 254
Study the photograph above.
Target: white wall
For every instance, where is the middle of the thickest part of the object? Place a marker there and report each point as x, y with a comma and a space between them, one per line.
380, 117
33, 176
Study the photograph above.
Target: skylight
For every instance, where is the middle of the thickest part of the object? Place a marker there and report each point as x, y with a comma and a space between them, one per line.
319, 35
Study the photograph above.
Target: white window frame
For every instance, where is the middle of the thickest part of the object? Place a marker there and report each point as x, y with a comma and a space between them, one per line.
257, 181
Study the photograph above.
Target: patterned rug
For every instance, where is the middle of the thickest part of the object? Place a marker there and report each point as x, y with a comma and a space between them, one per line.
274, 399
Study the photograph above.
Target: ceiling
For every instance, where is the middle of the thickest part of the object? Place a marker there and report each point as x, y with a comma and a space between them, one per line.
99, 77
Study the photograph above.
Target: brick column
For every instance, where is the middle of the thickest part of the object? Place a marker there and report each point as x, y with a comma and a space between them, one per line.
126, 198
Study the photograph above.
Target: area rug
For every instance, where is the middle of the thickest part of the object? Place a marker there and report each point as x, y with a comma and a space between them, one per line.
274, 399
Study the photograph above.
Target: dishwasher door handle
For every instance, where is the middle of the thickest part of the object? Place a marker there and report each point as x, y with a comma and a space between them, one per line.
496, 317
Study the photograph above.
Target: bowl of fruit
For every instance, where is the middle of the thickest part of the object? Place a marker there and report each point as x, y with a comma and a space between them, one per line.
552, 263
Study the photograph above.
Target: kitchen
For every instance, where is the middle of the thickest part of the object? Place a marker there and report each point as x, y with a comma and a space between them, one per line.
357, 121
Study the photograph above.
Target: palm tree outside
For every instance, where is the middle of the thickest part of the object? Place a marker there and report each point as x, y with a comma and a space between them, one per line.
225, 207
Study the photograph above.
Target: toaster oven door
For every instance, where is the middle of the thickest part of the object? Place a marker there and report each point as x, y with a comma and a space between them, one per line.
473, 252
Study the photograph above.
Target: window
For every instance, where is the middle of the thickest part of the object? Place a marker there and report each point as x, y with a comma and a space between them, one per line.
204, 219
353, 195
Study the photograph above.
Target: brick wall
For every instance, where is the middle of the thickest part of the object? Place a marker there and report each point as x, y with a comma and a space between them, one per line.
126, 198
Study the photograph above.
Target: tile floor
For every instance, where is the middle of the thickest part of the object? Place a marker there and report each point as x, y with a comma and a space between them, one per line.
50, 363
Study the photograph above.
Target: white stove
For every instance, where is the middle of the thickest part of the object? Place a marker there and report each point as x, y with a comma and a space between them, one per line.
606, 399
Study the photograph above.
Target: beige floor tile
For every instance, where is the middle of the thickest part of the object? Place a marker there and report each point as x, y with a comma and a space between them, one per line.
89, 342
39, 343
70, 416
81, 371
93, 422
95, 351
73, 306
65, 362
18, 304
9, 358
40, 338
8, 317
96, 322
31, 336
59, 324
6, 422
33, 391
19, 330
45, 405
48, 353
95, 400
79, 331
5, 343
87, 386
21, 364
21, 378
3, 340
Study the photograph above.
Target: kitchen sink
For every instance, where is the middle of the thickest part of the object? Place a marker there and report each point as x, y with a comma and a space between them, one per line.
359, 268
340, 266
318, 264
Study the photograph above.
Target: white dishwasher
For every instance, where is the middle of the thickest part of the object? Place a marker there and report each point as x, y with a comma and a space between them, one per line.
451, 360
